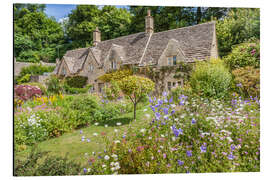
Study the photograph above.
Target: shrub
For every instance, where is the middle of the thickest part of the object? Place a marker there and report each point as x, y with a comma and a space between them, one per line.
25, 92
112, 92
39, 85
246, 54
36, 69
73, 90
237, 27
41, 164
23, 79
54, 85
76, 81
29, 56
115, 76
247, 81
210, 79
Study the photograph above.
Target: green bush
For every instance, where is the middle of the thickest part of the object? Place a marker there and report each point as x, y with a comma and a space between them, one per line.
29, 56
76, 81
247, 81
246, 54
238, 26
73, 90
210, 79
41, 164
54, 85
35, 69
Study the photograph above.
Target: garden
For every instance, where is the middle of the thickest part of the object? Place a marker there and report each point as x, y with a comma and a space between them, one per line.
210, 124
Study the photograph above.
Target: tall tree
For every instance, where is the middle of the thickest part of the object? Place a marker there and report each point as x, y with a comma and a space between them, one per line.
112, 22
36, 35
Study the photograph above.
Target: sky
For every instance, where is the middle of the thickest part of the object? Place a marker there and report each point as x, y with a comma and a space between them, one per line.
60, 11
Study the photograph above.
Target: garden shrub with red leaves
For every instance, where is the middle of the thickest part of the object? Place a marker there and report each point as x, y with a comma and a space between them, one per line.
25, 92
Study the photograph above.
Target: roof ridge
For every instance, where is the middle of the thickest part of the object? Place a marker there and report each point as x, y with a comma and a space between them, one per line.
211, 22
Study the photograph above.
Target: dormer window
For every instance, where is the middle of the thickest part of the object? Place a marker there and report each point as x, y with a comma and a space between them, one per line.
64, 71
172, 60
113, 65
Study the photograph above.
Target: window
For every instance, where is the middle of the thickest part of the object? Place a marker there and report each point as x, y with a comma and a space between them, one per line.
169, 86
64, 71
173, 84
169, 61
91, 68
113, 65
172, 60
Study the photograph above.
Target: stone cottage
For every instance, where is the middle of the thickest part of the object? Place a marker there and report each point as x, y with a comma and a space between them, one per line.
142, 49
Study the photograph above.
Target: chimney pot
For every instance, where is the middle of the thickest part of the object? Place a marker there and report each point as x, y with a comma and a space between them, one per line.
149, 22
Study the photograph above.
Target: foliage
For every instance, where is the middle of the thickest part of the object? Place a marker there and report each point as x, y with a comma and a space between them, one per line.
166, 18
36, 35
25, 92
136, 87
247, 80
111, 21
112, 92
54, 85
39, 163
39, 85
35, 69
246, 54
76, 81
211, 79
238, 26
73, 90
116, 75
190, 135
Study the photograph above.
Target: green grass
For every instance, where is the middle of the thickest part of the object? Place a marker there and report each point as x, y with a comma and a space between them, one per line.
71, 142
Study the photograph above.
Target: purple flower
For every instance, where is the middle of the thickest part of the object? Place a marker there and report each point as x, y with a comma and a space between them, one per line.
232, 147
81, 131
231, 156
189, 153
203, 149
150, 100
239, 85
164, 155
157, 115
160, 101
84, 170
173, 111
177, 131
171, 100
166, 111
153, 108
180, 163
164, 94
193, 121
88, 140
182, 102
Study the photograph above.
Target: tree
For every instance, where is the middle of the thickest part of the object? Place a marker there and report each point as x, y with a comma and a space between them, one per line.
111, 21
35, 35
239, 26
136, 87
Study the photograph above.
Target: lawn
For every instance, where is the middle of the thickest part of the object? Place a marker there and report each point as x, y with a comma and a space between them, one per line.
72, 144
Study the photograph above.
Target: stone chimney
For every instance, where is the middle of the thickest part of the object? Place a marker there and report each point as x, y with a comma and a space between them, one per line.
149, 22
96, 37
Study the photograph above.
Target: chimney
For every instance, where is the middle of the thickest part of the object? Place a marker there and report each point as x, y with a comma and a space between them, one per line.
96, 37
149, 22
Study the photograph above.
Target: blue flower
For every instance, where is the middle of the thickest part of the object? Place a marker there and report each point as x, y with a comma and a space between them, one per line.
239, 85
182, 102
150, 100
203, 149
164, 94
180, 163
81, 131
153, 108
176, 131
231, 156
166, 111
189, 153
173, 111
84, 170
171, 100
165, 100
232, 147
157, 115
193, 121
160, 101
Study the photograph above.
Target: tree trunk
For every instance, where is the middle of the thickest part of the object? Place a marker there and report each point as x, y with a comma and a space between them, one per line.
135, 111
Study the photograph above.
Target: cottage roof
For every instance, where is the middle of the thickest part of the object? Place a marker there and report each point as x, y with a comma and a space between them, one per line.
145, 48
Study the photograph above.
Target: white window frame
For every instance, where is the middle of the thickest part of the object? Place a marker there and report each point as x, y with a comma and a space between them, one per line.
91, 68
113, 64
